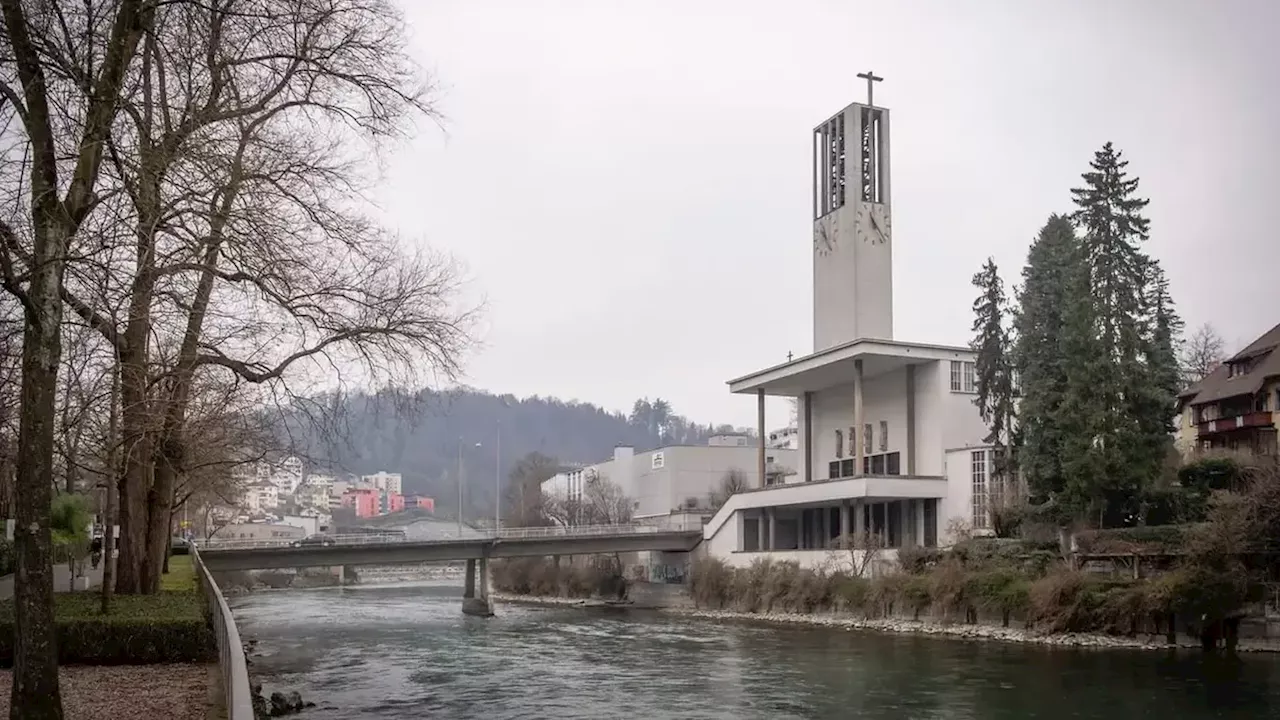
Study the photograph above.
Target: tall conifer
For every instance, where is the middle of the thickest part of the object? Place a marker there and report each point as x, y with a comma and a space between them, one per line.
1038, 355
993, 370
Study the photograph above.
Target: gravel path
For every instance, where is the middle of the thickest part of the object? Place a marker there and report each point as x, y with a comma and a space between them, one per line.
173, 692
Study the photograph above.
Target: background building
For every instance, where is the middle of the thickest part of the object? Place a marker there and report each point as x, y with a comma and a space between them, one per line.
384, 481
1236, 406
671, 478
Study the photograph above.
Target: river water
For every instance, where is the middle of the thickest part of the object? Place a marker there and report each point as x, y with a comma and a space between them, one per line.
406, 651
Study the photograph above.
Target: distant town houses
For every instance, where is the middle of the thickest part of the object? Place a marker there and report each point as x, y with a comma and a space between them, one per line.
283, 493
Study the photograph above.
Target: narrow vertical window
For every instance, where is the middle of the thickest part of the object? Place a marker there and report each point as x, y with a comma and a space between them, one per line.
981, 514
884, 435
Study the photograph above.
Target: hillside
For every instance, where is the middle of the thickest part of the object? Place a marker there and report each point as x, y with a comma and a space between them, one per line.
422, 442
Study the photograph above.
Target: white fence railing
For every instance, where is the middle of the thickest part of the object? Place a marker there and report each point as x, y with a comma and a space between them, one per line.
231, 661
642, 527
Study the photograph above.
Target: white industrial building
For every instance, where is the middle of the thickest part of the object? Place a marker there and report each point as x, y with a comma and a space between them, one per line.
889, 439
672, 478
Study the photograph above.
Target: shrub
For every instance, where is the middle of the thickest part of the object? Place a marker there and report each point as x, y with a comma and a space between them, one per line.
916, 594
169, 627
849, 593
710, 582
1003, 590
1151, 538
915, 559
883, 594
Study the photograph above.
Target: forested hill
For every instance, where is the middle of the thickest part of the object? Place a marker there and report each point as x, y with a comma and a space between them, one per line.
422, 444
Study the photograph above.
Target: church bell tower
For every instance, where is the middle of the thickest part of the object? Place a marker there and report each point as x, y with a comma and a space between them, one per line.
852, 226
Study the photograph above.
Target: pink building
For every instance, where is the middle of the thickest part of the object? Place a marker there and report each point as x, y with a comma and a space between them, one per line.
395, 502
421, 502
363, 500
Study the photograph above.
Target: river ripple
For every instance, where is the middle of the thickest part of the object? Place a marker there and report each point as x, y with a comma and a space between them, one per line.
406, 651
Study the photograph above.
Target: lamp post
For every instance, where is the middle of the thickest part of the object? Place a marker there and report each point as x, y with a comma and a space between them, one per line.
460, 486
497, 482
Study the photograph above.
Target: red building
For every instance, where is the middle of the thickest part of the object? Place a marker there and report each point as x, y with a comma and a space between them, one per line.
363, 500
421, 502
394, 503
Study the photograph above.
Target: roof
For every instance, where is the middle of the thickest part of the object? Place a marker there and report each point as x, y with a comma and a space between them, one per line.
832, 366
1220, 384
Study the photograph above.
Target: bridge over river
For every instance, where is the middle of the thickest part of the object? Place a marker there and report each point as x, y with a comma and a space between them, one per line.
392, 549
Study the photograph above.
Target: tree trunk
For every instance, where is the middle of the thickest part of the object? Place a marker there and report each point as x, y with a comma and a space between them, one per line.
136, 481
35, 693
113, 474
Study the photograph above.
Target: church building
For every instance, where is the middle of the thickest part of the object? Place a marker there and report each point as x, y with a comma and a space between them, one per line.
890, 441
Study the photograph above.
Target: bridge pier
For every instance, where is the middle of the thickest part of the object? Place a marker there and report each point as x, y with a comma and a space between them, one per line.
476, 597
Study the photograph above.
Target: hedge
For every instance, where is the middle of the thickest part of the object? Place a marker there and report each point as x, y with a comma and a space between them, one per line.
1148, 539
168, 627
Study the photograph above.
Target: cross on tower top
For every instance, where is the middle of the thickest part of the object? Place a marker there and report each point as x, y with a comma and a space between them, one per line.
871, 79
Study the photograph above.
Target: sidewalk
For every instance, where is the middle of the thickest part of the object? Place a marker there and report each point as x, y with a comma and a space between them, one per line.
61, 580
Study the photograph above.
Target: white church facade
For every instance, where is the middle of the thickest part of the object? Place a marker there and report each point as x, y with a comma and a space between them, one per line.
890, 442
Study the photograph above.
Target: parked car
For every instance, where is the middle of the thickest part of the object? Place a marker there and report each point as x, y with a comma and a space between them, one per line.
313, 541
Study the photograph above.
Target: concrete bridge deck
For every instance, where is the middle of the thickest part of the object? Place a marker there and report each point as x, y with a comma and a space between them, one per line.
391, 549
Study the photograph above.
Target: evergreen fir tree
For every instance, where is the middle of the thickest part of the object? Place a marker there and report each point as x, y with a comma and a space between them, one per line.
1038, 356
1163, 379
992, 369
1109, 345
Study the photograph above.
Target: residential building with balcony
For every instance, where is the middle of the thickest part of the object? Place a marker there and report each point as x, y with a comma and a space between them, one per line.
890, 442
1237, 406
364, 501
420, 502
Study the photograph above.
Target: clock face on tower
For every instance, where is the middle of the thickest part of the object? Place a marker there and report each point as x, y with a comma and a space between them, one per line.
873, 223
824, 238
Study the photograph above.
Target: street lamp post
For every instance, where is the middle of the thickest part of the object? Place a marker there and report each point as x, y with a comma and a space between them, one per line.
497, 482
460, 473
459, 488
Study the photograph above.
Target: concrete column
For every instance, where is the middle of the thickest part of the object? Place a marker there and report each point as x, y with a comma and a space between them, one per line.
760, 458
824, 528
762, 532
858, 420
469, 586
806, 435
801, 543
859, 517
773, 528
910, 468
904, 507
844, 524
920, 522
477, 601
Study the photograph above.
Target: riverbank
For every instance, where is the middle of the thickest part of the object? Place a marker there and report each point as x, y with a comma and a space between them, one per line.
904, 626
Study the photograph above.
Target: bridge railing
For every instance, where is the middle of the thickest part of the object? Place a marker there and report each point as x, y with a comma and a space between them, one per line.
237, 691
315, 540
641, 527
593, 530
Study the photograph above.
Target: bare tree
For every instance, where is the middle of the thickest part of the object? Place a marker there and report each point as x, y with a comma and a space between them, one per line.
235, 173
605, 502
59, 164
598, 502
1202, 352
524, 499
734, 481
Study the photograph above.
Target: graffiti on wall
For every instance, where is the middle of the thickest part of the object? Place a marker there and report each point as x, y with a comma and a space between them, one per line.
670, 574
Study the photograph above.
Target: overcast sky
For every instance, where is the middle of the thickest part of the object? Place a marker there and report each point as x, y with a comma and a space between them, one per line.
629, 183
